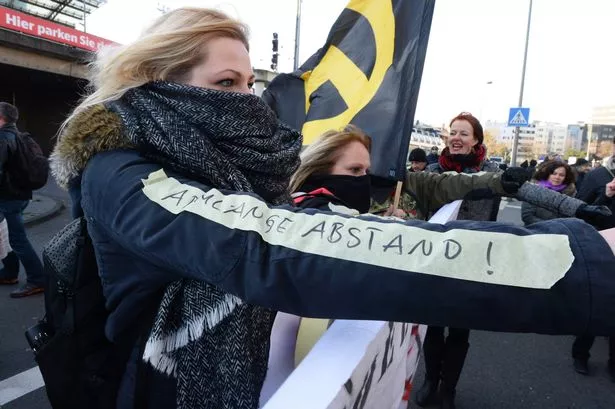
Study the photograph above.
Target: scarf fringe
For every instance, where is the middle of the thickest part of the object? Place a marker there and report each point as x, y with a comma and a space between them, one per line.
157, 349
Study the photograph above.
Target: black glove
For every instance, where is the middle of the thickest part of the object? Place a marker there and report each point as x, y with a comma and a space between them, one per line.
514, 178
597, 216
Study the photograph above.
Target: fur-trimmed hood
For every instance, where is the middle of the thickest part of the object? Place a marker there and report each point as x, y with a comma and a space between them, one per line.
92, 131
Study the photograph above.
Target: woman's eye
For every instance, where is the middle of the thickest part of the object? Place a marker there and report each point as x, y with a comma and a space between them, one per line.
226, 83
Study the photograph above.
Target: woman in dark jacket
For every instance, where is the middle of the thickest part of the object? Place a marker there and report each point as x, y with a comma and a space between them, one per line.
444, 357
184, 186
333, 176
556, 176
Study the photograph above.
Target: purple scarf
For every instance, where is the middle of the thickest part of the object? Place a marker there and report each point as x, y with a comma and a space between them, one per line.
548, 185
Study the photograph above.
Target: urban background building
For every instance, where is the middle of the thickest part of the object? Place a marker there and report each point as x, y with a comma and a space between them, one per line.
576, 136
604, 115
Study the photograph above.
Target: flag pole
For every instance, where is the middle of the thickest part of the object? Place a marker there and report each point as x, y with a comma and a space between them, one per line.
400, 184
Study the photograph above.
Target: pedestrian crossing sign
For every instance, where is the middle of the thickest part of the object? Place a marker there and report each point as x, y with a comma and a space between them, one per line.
519, 117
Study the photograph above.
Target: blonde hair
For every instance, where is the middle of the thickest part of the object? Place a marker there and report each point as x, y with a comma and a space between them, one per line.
320, 157
167, 50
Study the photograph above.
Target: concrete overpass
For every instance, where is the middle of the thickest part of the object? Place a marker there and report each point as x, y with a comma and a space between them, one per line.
44, 79
262, 80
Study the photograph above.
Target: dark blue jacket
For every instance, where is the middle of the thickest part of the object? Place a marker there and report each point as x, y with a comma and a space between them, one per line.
149, 229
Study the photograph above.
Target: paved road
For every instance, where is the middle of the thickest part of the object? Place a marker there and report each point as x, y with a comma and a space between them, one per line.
17, 315
506, 371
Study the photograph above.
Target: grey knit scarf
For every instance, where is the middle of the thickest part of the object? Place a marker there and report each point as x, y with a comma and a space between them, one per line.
214, 345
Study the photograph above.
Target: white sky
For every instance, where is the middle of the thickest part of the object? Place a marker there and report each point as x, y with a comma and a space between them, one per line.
571, 62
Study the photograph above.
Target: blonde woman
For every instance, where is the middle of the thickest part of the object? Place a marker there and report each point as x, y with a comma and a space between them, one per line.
184, 186
334, 172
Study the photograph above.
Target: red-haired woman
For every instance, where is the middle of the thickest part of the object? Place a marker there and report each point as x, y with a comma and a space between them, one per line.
444, 357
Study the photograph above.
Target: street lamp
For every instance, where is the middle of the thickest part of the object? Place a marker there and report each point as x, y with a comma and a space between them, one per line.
482, 102
513, 160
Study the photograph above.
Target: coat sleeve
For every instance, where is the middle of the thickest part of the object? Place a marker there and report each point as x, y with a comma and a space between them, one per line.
528, 214
590, 189
552, 278
603, 200
434, 190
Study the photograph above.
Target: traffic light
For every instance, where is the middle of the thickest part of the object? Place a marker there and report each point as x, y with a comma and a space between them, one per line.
274, 61
275, 43
274, 57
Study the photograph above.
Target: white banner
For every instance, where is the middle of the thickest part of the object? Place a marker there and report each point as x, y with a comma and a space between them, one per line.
492, 255
354, 365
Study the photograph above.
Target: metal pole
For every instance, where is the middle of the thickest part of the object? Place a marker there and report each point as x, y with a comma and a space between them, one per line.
482, 103
513, 161
589, 139
84, 9
297, 34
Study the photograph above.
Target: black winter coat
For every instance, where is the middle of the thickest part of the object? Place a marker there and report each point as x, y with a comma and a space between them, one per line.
593, 191
8, 147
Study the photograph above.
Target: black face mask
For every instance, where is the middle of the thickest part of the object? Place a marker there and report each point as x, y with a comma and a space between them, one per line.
353, 191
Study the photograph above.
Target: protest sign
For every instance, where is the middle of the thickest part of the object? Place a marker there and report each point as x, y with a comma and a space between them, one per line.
355, 364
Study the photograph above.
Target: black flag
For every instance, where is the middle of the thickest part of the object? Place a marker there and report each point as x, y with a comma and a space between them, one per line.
368, 73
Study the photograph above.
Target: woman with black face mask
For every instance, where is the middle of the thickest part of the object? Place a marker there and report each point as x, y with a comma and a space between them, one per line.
334, 172
333, 176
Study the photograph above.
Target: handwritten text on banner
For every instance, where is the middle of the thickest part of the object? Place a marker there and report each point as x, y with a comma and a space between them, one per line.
489, 257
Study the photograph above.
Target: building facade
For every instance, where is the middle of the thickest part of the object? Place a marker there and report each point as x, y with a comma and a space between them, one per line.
604, 115
550, 138
525, 147
600, 140
576, 136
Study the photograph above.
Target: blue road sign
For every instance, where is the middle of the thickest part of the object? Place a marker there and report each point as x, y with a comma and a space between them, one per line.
519, 117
